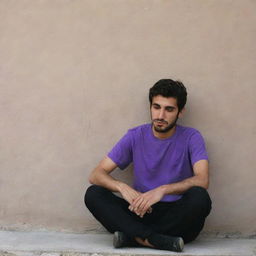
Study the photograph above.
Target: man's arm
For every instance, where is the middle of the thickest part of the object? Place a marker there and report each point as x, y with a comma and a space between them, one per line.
200, 178
101, 176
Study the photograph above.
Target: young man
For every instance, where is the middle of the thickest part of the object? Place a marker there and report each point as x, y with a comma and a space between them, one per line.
168, 202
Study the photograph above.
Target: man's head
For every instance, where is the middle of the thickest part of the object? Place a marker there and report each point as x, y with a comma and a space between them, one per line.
167, 100
169, 88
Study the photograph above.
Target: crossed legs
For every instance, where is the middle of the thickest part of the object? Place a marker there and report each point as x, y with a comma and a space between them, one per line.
183, 218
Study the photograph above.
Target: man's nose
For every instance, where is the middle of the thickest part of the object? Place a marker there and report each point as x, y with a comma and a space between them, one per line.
161, 114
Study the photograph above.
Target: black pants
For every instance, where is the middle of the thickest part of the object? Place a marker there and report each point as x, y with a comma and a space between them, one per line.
184, 218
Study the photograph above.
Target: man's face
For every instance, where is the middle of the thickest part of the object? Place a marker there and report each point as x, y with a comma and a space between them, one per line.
164, 113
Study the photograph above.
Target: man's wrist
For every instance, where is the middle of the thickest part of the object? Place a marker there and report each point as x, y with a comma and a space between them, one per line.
119, 186
164, 189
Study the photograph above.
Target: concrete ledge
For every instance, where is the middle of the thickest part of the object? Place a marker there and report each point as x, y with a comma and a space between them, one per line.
63, 244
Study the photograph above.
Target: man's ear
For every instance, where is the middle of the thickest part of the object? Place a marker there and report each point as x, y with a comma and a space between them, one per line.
181, 113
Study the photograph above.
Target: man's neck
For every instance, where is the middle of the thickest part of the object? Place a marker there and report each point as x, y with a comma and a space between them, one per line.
163, 135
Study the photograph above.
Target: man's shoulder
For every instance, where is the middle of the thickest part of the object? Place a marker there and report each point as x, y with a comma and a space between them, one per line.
187, 131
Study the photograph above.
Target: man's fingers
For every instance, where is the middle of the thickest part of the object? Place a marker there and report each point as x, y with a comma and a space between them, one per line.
136, 203
145, 207
142, 207
149, 210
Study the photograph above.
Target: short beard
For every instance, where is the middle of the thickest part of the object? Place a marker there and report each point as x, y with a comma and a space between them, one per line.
168, 128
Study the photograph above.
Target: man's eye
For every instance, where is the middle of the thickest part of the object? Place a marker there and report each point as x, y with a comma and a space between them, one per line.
169, 109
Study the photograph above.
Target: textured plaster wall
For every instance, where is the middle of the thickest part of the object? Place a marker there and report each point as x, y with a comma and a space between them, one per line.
74, 76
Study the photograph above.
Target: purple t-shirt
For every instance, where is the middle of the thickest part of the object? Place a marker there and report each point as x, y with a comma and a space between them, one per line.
159, 161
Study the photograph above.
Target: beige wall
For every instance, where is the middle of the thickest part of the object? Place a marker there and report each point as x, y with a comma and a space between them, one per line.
74, 76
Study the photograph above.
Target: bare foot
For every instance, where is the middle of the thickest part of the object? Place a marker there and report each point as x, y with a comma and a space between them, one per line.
143, 242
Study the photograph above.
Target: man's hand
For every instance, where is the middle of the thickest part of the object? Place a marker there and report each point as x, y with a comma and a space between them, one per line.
143, 202
129, 194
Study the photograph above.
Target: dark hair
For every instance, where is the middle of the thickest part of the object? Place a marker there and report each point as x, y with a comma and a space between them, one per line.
169, 88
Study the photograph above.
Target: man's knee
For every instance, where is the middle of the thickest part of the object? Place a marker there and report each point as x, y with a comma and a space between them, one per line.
199, 199
199, 193
93, 194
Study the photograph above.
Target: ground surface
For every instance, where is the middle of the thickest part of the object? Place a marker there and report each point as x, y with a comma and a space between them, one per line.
65, 244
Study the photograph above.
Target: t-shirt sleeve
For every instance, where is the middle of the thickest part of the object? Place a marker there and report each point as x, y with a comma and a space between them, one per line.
197, 148
121, 153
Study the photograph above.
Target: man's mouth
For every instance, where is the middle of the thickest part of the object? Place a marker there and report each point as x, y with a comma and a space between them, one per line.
160, 122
